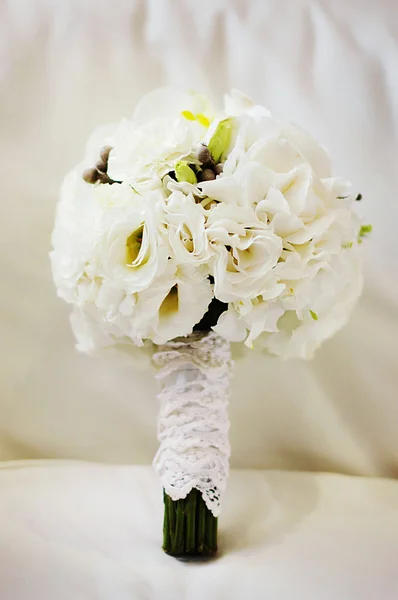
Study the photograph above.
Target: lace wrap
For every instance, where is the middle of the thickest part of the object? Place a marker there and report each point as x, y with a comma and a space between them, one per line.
194, 374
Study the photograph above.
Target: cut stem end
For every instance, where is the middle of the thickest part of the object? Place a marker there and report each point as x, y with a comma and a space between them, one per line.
189, 527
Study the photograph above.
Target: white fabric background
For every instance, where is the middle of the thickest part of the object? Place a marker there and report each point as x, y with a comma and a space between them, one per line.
93, 532
67, 67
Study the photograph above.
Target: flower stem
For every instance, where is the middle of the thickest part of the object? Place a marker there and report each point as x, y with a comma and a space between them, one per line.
189, 527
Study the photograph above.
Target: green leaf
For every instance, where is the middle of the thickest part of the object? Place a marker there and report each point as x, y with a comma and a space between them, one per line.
184, 172
314, 315
221, 139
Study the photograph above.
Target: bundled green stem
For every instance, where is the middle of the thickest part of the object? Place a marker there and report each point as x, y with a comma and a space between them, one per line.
189, 528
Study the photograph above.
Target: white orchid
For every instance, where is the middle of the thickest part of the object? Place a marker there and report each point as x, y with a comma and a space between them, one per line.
185, 205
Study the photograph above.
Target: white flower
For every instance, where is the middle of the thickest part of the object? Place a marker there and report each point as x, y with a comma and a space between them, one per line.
261, 126
245, 186
166, 127
95, 336
185, 222
248, 319
236, 103
171, 307
89, 335
143, 155
130, 251
246, 253
168, 102
110, 195
271, 233
330, 297
174, 304
296, 329
75, 234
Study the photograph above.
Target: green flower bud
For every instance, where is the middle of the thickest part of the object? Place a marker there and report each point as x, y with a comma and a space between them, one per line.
184, 172
365, 229
221, 139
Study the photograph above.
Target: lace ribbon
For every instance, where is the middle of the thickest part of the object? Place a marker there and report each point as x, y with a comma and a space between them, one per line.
194, 374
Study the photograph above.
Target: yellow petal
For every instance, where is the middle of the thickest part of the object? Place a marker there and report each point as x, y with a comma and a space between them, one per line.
203, 120
188, 115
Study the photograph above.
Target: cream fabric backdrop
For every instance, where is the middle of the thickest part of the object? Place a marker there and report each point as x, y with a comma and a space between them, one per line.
68, 66
93, 532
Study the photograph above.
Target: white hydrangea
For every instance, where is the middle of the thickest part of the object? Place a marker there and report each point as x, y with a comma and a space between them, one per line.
156, 232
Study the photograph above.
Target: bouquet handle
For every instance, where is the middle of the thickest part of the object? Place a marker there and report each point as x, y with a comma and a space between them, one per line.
193, 457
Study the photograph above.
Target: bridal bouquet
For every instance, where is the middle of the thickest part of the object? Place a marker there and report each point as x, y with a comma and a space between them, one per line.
185, 229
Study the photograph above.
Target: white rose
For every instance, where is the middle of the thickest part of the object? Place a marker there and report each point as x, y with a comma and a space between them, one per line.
174, 304
271, 170
258, 126
75, 234
237, 103
245, 187
88, 333
96, 336
172, 103
246, 252
130, 252
185, 221
110, 195
107, 319
116, 313
296, 330
145, 154
166, 127
248, 320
